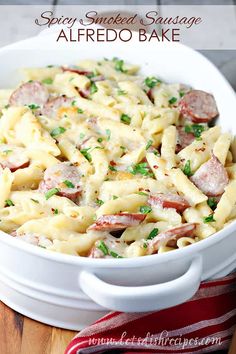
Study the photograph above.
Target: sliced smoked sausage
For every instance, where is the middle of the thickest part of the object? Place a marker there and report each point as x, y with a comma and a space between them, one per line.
198, 106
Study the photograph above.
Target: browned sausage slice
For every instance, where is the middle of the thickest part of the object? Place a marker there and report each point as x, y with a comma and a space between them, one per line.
117, 221
63, 176
211, 178
13, 157
183, 139
198, 106
170, 237
29, 93
169, 200
52, 107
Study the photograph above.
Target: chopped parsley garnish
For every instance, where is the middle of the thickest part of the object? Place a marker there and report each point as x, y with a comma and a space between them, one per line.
99, 201
9, 202
81, 136
35, 200
114, 254
119, 65
149, 144
172, 100
140, 168
6, 106
86, 154
181, 93
122, 148
50, 66
69, 184
51, 192
55, 211
121, 92
153, 234
142, 193
187, 169
209, 218
196, 129
125, 118
99, 140
112, 168
93, 88
6, 152
108, 134
145, 209
103, 247
73, 103
33, 106
114, 197
48, 81
57, 131
145, 245
79, 110
152, 81
212, 202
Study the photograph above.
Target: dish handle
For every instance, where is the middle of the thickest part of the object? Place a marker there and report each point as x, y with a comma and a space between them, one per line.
143, 298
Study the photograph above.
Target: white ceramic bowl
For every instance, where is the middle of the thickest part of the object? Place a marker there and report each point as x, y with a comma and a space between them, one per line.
71, 292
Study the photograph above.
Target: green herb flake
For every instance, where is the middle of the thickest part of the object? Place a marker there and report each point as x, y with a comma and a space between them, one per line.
33, 106
140, 168
119, 65
57, 131
145, 209
6, 106
34, 200
196, 129
125, 118
50, 66
209, 218
99, 202
73, 103
47, 81
181, 93
112, 168
99, 140
212, 202
108, 134
103, 247
9, 202
114, 197
86, 154
121, 93
145, 245
142, 193
51, 192
6, 152
187, 169
55, 211
152, 81
149, 144
172, 100
122, 148
69, 184
153, 234
114, 254
93, 88
81, 136
79, 110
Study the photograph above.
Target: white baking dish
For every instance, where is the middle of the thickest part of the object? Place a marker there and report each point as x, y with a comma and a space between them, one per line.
71, 292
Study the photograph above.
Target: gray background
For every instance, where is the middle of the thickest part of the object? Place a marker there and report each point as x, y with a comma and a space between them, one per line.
224, 59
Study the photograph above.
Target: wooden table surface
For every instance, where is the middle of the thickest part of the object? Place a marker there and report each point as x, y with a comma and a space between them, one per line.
21, 335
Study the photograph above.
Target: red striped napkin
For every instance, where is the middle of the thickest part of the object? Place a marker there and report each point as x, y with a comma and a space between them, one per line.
204, 324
